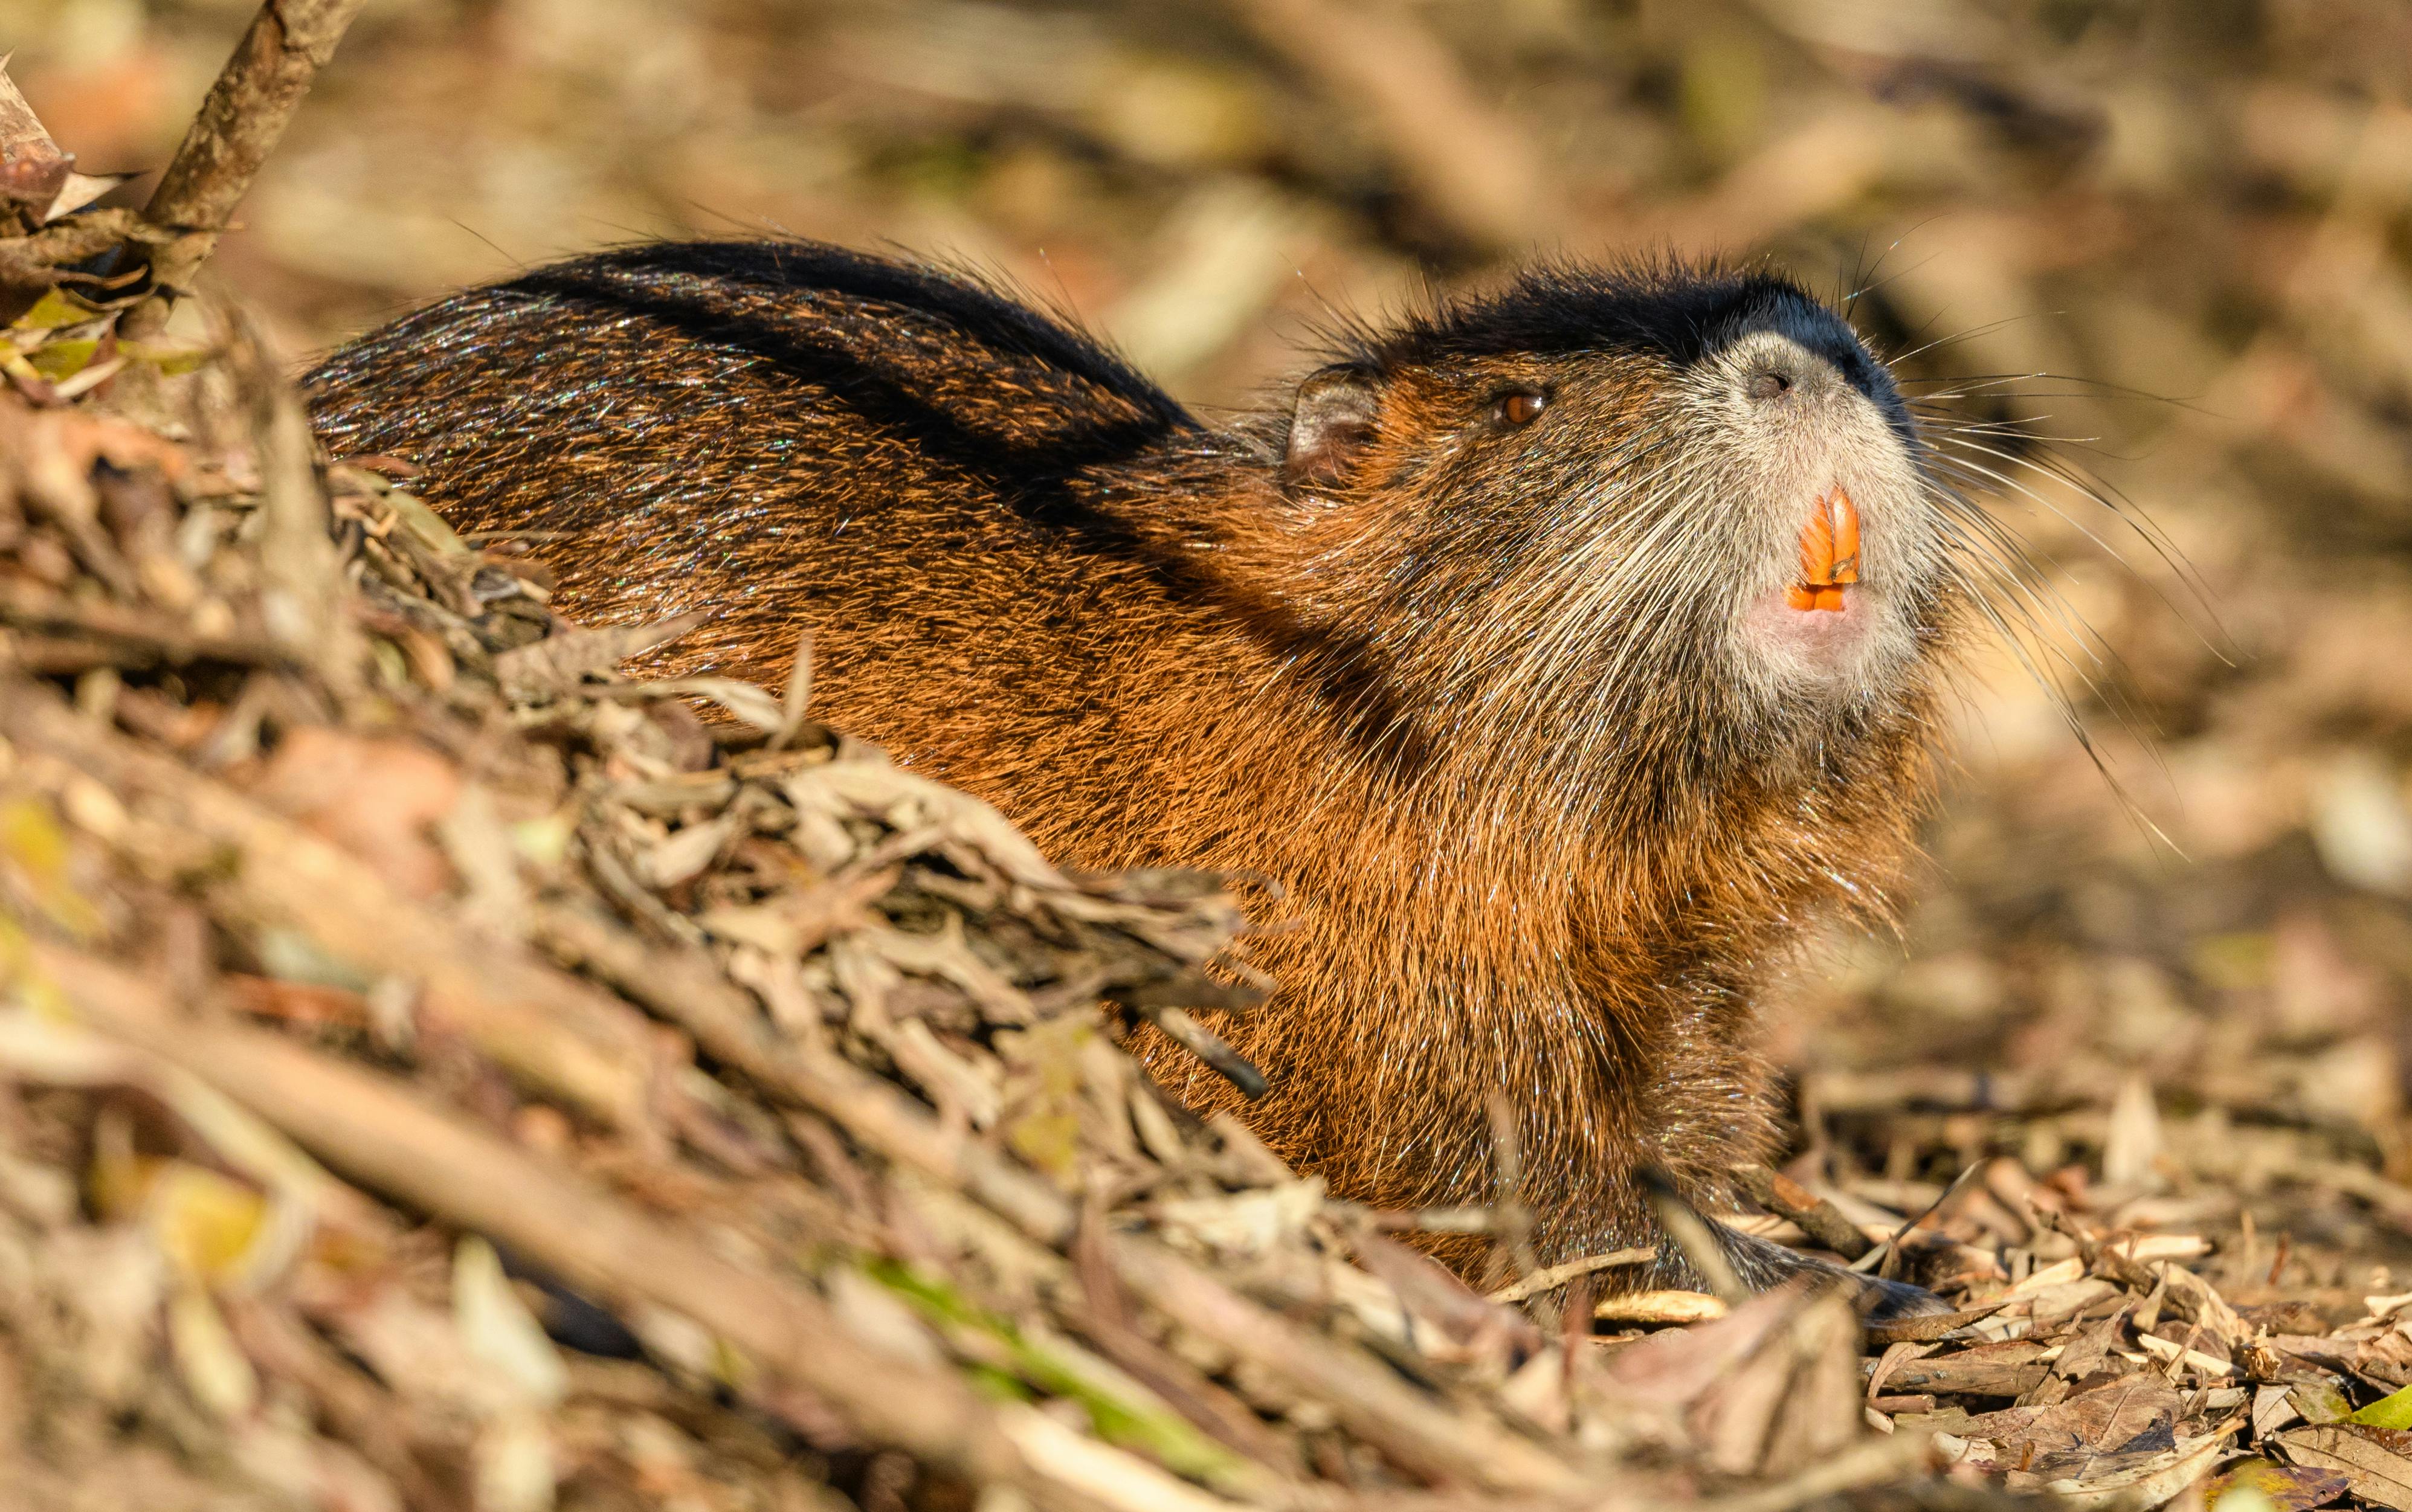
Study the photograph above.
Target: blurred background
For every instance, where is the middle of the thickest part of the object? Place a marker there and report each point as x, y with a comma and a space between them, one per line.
2162, 247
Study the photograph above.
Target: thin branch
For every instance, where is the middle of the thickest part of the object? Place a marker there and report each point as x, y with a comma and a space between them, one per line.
1418, 1431
1870, 1462
1818, 1216
1559, 1276
1209, 1047
255, 94
1694, 1235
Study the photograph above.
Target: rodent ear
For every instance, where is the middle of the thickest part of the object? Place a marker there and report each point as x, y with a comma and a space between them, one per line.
1337, 418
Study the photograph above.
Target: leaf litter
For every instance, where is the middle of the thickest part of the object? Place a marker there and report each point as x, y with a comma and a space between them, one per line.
439, 1071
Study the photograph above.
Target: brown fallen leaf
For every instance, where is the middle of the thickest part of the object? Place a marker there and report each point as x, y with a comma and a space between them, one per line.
1817, 1408
2105, 1431
1660, 1307
1926, 1328
2387, 1357
2376, 1462
2157, 1481
2101, 1432
1675, 1366
1478, 1328
559, 663
2084, 1355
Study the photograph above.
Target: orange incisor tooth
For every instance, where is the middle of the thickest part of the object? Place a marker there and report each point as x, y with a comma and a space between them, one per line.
1829, 554
1817, 547
1846, 537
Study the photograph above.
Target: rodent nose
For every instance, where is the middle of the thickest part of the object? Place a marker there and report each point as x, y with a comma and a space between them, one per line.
1776, 374
1770, 380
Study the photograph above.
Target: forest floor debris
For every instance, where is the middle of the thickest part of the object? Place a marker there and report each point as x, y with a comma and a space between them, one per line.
437, 1072
440, 1072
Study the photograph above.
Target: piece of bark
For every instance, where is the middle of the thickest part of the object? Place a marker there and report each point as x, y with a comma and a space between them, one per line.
1818, 1216
2007, 1370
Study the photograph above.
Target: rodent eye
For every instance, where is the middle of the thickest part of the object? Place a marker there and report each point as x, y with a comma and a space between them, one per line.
1522, 409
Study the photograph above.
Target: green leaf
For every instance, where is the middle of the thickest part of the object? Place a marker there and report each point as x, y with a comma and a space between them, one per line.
2319, 1403
2387, 1412
62, 359
55, 309
173, 361
1140, 1425
35, 845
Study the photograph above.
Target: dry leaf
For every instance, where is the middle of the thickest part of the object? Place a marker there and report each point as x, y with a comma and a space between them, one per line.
559, 664
1660, 1307
2152, 1483
2376, 1462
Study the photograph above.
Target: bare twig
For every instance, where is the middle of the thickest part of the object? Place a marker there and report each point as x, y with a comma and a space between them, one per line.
1890, 1264
1552, 1278
1418, 1431
1209, 1047
132, 634
271, 68
1867, 1463
1507, 1160
1818, 1216
1694, 1236
305, 581
1461, 1219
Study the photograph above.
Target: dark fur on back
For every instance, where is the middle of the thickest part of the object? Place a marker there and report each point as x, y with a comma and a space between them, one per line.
1538, 844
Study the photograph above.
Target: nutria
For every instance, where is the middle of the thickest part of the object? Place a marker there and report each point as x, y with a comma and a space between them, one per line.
1562, 652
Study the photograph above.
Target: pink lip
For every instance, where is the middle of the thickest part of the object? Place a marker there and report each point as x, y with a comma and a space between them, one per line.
1826, 634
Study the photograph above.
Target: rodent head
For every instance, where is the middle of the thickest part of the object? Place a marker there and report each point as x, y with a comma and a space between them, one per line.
1601, 523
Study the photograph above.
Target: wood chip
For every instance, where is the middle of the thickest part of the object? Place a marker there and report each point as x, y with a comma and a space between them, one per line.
1659, 1307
